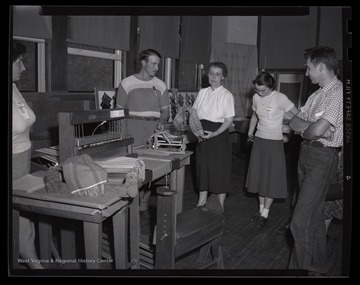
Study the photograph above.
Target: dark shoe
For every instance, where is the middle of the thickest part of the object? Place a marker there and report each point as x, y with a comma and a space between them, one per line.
255, 217
213, 204
261, 222
283, 229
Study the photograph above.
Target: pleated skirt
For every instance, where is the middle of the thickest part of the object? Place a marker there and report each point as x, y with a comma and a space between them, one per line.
267, 169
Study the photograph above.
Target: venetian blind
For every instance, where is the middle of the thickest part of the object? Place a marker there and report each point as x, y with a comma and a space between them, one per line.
196, 39
103, 31
27, 22
160, 33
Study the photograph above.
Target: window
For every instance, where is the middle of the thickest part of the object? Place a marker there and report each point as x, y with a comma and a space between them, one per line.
290, 83
33, 78
191, 76
89, 67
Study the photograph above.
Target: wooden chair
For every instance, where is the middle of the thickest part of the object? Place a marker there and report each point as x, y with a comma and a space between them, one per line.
176, 234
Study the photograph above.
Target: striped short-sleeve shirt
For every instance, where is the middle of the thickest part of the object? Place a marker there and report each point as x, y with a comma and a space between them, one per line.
143, 98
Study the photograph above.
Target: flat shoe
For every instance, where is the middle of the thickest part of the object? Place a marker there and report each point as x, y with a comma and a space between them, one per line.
213, 204
261, 222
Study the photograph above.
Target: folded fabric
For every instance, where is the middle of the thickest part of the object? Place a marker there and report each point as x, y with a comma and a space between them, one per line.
124, 164
83, 176
127, 187
54, 183
188, 113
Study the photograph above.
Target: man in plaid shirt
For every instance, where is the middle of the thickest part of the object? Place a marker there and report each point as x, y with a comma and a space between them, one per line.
320, 124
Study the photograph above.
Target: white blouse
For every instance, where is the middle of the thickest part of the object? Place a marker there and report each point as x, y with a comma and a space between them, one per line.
22, 120
214, 105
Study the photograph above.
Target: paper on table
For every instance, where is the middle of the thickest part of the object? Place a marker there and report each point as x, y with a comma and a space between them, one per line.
29, 183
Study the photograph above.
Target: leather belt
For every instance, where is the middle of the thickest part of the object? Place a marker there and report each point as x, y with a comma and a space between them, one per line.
319, 144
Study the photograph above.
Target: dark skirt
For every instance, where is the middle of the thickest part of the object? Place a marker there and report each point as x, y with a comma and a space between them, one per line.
213, 161
267, 169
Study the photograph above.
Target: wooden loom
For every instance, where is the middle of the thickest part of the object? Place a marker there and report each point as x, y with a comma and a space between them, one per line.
102, 134
99, 133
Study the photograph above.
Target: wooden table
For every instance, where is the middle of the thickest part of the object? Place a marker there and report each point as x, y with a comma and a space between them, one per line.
160, 163
92, 212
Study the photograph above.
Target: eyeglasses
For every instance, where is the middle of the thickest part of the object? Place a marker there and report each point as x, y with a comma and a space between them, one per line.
215, 74
260, 90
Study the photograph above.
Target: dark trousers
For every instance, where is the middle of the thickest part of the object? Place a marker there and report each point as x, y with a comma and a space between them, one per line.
316, 167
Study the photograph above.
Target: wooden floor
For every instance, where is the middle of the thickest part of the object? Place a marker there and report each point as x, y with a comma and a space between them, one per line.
248, 250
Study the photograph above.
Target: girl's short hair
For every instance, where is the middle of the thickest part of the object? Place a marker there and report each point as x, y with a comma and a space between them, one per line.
18, 49
265, 78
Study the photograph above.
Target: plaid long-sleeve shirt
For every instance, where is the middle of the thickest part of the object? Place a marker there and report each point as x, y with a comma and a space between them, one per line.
327, 103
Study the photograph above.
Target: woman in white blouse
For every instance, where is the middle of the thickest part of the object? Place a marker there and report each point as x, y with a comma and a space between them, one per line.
216, 110
22, 120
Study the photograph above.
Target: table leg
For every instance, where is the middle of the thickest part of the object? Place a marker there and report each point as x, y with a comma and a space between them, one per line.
134, 232
68, 246
174, 186
177, 181
120, 239
93, 244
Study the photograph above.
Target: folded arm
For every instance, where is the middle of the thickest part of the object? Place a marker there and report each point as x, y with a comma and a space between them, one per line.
311, 130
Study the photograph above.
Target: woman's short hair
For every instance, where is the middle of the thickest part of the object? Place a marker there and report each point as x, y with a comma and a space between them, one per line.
265, 78
218, 65
18, 49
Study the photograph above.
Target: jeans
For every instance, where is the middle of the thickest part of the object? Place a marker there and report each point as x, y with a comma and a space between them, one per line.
316, 167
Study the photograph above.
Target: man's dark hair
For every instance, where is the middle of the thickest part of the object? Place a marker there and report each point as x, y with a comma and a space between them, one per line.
322, 54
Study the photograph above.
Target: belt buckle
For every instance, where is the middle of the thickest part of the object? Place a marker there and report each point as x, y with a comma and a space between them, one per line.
311, 143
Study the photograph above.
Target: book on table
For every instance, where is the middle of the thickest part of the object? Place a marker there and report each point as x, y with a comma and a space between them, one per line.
28, 183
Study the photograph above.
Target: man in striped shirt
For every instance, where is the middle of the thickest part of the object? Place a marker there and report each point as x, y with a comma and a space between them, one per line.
147, 99
320, 124
145, 95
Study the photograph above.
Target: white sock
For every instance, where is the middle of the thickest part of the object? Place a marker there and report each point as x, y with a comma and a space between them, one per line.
261, 207
265, 213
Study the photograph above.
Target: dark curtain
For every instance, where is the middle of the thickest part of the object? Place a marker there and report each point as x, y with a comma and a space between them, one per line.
160, 33
103, 31
196, 39
27, 22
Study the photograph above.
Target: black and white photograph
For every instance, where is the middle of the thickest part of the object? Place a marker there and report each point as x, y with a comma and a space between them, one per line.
180, 141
